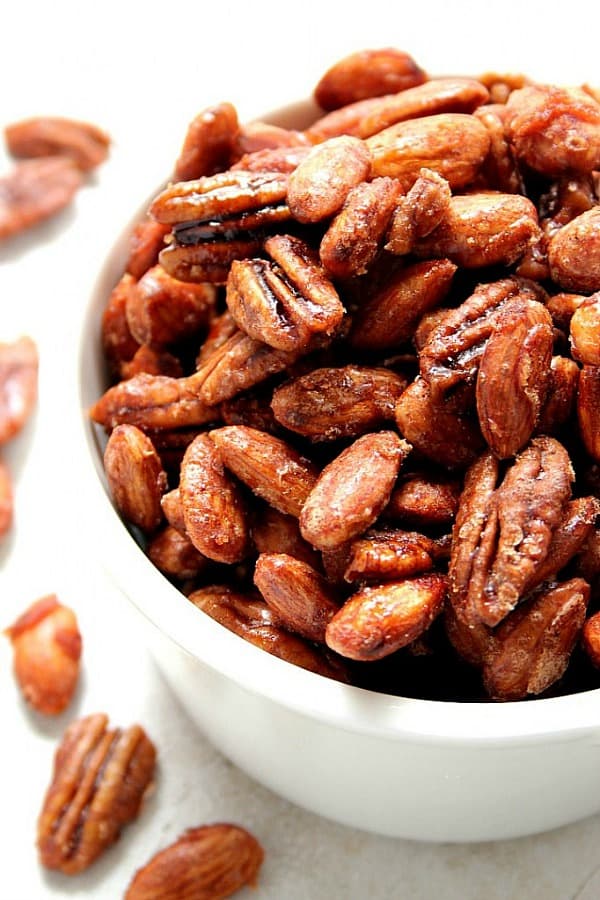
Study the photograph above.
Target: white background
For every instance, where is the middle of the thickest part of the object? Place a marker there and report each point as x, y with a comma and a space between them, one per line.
141, 71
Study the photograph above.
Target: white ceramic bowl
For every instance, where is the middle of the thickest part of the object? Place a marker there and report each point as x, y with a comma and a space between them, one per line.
428, 770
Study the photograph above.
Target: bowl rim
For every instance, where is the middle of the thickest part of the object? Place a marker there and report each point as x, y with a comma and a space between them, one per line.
354, 709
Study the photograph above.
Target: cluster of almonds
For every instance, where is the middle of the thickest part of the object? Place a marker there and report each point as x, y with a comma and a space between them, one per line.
101, 775
356, 409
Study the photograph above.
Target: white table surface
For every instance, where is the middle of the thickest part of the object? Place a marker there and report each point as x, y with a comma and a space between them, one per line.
142, 71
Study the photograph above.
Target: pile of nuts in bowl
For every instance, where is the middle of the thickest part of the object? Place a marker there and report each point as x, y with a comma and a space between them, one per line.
354, 410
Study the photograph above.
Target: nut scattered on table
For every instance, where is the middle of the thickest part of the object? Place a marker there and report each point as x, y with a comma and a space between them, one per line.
401, 360
47, 649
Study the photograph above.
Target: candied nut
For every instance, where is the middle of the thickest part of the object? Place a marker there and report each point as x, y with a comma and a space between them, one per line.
161, 310
554, 130
47, 648
318, 187
484, 228
352, 490
300, 597
418, 212
356, 235
530, 650
389, 555
450, 358
253, 620
174, 555
437, 432
276, 532
208, 260
254, 137
436, 96
514, 375
345, 120
6, 500
18, 385
213, 508
276, 159
452, 144
588, 409
152, 402
145, 243
270, 467
283, 303
173, 510
560, 397
503, 532
35, 190
331, 403
251, 408
367, 73
135, 476
561, 307
568, 539
567, 198
590, 638
470, 640
151, 362
422, 499
585, 331
118, 343
500, 168
98, 785
209, 143
388, 316
379, 620
205, 863
574, 253
85, 144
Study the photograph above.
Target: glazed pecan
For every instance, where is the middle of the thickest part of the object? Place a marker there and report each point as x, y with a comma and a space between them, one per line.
585, 331
174, 555
148, 361
35, 190
252, 619
300, 597
352, 490
554, 130
47, 649
318, 187
504, 529
379, 620
287, 302
216, 860
270, 467
453, 144
85, 144
330, 403
213, 508
450, 358
389, 554
418, 212
422, 499
18, 386
145, 243
530, 650
483, 228
367, 73
514, 376
257, 136
560, 397
500, 168
356, 235
161, 310
209, 143
388, 316
135, 476
98, 785
278, 159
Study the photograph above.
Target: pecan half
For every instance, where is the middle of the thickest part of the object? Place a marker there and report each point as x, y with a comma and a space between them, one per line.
390, 555
35, 190
330, 403
419, 212
98, 785
379, 620
215, 860
47, 649
422, 499
352, 490
503, 531
85, 144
